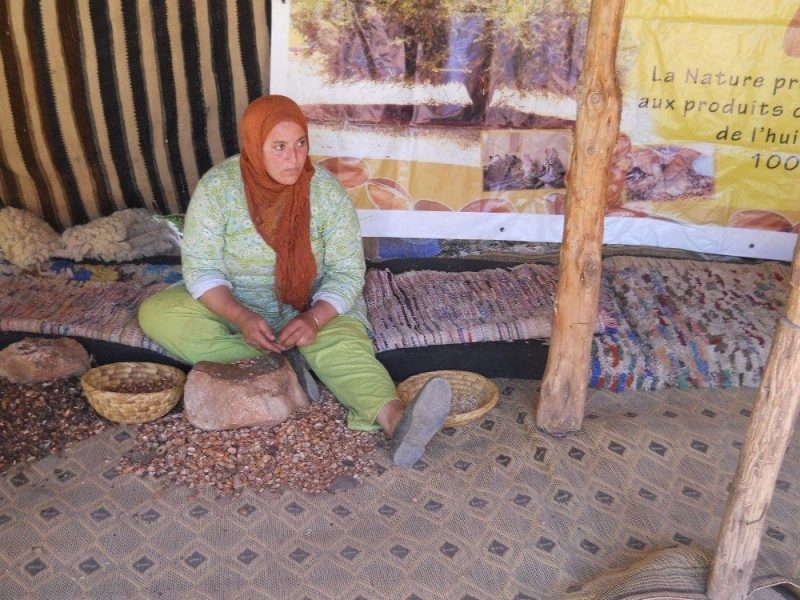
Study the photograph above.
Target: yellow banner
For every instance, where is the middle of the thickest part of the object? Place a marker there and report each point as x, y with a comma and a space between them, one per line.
469, 110
721, 80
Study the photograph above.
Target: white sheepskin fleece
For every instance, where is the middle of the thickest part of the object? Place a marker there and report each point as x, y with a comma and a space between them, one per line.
25, 238
125, 235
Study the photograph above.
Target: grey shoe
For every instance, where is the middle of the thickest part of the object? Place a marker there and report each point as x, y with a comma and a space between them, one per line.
420, 421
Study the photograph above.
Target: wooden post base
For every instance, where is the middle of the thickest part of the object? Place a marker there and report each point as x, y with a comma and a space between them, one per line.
774, 415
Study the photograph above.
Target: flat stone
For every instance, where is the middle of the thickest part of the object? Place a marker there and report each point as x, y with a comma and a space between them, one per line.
261, 391
35, 359
342, 483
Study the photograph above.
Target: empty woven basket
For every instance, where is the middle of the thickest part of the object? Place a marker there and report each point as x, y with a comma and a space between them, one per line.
133, 392
473, 395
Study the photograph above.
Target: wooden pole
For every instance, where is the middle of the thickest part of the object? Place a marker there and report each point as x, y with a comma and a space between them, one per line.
774, 414
566, 376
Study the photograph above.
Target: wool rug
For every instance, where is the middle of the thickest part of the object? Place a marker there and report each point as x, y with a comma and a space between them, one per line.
429, 308
688, 323
663, 322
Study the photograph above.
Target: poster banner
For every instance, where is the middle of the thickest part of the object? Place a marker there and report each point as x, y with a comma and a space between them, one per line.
454, 118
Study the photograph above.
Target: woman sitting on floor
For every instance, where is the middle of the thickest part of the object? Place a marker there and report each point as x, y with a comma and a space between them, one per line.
272, 258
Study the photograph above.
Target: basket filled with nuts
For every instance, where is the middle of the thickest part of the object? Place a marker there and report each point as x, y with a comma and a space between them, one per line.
473, 394
133, 392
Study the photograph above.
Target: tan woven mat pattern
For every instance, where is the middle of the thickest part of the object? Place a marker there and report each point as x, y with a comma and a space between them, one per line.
627, 508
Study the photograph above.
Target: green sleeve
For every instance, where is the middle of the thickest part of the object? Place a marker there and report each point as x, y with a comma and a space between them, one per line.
204, 231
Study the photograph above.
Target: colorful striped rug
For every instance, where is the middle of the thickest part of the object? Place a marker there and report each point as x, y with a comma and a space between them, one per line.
663, 322
55, 306
96, 301
428, 308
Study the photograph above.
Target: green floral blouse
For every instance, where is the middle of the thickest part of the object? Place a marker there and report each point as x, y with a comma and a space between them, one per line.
222, 247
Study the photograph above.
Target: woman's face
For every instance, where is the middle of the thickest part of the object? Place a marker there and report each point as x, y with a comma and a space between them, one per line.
285, 151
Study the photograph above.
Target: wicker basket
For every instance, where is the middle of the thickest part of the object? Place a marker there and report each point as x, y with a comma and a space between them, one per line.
101, 387
464, 385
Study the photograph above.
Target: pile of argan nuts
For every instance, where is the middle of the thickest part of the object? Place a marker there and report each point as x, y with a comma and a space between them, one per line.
39, 419
307, 452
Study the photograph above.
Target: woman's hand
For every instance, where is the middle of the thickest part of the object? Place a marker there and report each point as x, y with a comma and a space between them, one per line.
300, 331
257, 333
254, 328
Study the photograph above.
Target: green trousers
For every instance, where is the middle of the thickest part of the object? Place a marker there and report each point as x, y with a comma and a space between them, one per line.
342, 355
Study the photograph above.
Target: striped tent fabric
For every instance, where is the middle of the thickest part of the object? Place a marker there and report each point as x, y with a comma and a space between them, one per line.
113, 104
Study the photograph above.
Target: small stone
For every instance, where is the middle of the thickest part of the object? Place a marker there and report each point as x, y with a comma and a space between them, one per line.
342, 483
33, 360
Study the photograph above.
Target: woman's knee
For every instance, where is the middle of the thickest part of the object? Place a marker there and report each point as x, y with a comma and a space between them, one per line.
165, 312
148, 314
340, 345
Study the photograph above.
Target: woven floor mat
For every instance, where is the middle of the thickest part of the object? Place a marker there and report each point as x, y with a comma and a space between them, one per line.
680, 573
495, 510
663, 322
54, 306
687, 323
428, 308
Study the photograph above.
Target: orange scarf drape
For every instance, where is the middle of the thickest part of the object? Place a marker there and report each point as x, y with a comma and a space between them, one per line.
281, 213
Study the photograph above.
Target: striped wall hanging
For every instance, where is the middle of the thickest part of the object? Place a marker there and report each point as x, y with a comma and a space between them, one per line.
112, 104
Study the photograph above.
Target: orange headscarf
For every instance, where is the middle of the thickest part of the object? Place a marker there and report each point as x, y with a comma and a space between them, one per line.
281, 213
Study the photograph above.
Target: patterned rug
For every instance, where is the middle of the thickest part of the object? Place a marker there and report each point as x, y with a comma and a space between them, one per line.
55, 306
64, 269
629, 507
663, 322
687, 323
429, 308
96, 301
